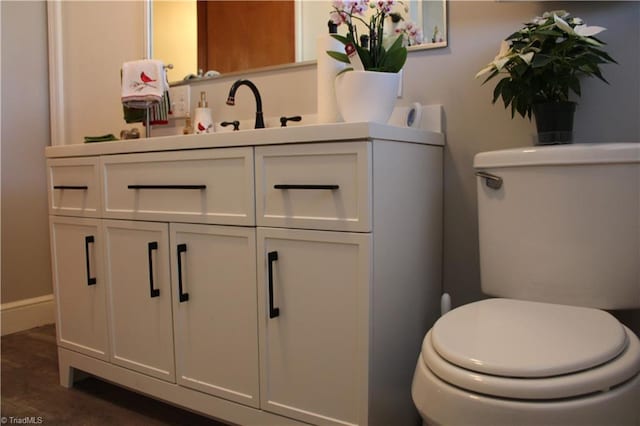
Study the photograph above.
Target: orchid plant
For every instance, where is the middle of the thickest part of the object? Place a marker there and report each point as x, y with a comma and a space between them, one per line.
376, 50
544, 60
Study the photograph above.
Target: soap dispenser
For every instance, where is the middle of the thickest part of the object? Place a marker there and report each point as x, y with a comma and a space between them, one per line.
203, 123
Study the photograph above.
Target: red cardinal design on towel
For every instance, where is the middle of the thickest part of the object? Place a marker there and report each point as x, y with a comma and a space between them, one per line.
145, 78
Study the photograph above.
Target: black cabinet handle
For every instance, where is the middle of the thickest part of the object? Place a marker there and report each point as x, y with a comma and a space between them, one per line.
167, 186
287, 186
272, 256
88, 240
81, 187
183, 297
154, 292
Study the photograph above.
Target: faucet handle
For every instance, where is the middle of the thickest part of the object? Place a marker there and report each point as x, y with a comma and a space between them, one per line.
234, 123
283, 120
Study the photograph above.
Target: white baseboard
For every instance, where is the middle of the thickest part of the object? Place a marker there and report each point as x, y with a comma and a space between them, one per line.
27, 313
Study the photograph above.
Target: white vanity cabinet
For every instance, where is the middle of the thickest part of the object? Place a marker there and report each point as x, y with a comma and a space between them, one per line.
267, 277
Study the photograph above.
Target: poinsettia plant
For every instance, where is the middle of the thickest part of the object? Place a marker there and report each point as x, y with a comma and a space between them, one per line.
544, 60
375, 53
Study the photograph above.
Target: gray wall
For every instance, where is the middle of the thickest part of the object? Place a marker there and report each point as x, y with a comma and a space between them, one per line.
26, 270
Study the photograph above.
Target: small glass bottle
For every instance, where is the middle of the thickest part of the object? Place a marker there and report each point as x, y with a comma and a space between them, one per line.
188, 128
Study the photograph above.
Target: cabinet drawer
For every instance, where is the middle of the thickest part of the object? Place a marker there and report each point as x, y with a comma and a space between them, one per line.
73, 187
207, 186
314, 186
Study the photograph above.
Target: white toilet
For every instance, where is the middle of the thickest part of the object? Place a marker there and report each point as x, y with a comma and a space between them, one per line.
559, 233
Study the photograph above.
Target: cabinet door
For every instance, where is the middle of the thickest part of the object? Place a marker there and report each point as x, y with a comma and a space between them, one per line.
139, 293
313, 316
81, 304
215, 319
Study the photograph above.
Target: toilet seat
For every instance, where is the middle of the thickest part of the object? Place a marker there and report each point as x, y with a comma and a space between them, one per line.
531, 351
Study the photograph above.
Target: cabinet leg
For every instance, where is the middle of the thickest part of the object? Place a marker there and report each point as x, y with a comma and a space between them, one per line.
68, 374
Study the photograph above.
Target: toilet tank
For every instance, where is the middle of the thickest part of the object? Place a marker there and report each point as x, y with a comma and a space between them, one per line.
563, 226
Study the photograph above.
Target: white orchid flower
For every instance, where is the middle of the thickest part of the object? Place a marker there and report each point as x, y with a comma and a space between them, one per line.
585, 31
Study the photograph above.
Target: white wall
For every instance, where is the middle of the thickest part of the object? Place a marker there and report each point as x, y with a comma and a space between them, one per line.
97, 37
26, 271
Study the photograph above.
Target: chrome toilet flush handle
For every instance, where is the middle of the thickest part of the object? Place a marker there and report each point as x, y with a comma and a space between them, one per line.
492, 181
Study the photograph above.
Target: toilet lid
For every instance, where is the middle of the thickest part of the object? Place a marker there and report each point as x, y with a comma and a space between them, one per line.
531, 351
513, 338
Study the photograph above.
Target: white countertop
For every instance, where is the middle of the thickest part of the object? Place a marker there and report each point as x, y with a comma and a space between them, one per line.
335, 132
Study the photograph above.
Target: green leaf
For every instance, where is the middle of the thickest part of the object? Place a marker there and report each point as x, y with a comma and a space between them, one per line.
574, 85
394, 60
338, 56
541, 60
365, 57
342, 39
498, 89
493, 74
550, 33
342, 71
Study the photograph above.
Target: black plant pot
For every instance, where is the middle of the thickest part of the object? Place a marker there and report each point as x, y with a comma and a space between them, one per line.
554, 122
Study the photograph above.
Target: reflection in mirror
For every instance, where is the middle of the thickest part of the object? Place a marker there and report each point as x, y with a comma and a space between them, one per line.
235, 36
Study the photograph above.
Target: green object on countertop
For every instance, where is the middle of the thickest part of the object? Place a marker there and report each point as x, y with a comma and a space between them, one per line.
103, 138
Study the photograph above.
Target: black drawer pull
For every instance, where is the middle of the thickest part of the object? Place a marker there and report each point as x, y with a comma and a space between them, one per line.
81, 187
182, 297
167, 186
287, 186
88, 240
154, 292
272, 257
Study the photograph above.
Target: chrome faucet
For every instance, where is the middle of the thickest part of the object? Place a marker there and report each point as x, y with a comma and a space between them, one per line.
256, 93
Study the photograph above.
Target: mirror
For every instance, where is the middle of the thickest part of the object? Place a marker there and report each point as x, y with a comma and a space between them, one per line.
175, 27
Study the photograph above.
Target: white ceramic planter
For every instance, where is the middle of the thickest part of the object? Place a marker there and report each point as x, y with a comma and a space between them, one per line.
367, 95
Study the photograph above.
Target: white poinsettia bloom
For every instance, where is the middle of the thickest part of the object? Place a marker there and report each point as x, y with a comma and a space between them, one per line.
577, 21
585, 31
560, 13
485, 70
526, 57
561, 23
505, 49
500, 63
538, 20
593, 41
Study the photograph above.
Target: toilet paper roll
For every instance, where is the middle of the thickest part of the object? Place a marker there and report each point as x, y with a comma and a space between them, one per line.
327, 70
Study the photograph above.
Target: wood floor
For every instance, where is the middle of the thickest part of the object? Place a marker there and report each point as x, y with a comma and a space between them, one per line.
31, 393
